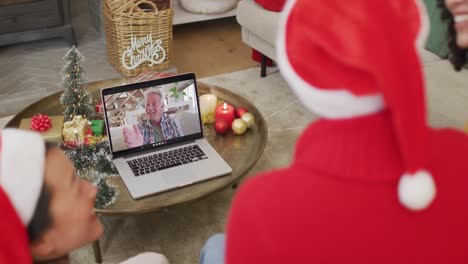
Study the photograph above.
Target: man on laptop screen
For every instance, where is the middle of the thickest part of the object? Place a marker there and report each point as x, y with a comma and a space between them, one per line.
157, 126
144, 117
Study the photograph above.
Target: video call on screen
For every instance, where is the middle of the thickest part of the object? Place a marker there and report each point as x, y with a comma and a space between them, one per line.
154, 115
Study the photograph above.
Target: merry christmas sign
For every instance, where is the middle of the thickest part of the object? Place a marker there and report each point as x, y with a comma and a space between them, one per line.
143, 49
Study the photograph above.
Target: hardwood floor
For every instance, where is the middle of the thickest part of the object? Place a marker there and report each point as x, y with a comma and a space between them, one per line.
211, 47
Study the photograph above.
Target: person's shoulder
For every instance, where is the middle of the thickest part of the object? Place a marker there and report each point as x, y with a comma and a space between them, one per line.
448, 140
166, 116
265, 187
448, 147
448, 164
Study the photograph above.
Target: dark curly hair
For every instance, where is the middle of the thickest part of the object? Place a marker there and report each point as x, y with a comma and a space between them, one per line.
457, 55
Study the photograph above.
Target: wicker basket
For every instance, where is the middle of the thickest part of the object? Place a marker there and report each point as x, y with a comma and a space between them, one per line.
138, 36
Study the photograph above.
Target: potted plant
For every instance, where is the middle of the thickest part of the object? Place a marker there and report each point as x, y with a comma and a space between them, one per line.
176, 94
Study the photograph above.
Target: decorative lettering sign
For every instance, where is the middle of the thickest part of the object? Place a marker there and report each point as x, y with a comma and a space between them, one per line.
141, 50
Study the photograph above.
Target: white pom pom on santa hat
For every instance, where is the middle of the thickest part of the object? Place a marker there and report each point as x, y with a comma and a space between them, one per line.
416, 191
22, 163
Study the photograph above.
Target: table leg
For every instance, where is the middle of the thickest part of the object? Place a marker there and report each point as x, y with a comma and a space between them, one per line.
97, 251
263, 66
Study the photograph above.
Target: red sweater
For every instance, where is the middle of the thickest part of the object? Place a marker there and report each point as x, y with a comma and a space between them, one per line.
337, 202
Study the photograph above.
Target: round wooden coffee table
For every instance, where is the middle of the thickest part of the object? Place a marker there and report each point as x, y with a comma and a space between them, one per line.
240, 152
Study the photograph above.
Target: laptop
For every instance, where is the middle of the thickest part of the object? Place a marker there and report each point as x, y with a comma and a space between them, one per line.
156, 136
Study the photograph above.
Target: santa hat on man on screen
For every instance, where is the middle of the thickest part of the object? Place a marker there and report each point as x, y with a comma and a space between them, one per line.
351, 70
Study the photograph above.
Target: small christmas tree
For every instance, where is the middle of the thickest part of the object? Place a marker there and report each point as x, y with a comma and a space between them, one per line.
75, 100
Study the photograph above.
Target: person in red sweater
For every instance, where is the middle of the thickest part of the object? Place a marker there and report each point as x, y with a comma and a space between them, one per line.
370, 181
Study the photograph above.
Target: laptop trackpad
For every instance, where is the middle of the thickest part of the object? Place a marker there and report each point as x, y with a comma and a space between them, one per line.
177, 179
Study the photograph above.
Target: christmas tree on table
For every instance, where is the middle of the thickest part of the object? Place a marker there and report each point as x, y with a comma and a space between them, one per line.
94, 163
75, 100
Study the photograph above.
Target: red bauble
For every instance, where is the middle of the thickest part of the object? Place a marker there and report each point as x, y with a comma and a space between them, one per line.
221, 127
41, 122
240, 111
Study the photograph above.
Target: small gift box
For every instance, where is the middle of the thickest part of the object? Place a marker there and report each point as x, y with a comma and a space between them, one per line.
97, 126
97, 122
99, 108
52, 134
75, 129
97, 130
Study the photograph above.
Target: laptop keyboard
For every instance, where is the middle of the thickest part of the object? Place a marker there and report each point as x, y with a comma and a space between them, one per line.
166, 160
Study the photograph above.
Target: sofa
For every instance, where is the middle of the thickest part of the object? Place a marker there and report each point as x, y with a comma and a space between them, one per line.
259, 23
259, 28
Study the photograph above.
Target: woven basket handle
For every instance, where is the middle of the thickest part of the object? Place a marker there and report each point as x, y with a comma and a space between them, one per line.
144, 6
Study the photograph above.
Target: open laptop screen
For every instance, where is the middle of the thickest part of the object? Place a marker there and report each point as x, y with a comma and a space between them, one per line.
148, 117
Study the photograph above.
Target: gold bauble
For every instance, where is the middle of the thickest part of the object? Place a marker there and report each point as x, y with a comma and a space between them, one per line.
249, 119
239, 126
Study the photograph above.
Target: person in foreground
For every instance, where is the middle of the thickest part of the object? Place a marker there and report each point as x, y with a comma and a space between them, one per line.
370, 182
454, 12
50, 210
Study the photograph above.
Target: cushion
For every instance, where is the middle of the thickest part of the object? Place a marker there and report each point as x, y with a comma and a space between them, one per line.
272, 5
188, 121
261, 22
208, 6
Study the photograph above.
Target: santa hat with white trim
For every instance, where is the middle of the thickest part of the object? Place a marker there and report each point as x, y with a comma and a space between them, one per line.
355, 58
22, 164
